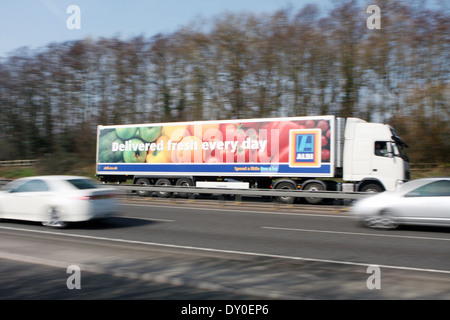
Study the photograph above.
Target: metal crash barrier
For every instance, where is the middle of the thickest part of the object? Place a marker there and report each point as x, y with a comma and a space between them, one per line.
239, 193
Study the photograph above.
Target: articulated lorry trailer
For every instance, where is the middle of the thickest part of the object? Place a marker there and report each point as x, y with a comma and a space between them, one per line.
314, 153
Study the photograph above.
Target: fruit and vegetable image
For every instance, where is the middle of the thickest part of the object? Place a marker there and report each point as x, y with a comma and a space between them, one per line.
106, 154
208, 142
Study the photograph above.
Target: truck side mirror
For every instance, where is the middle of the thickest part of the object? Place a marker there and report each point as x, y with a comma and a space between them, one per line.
390, 150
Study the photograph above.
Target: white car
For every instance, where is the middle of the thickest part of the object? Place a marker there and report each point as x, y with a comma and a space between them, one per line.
56, 200
420, 202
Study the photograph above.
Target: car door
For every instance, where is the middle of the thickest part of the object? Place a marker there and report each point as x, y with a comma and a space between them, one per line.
27, 201
429, 203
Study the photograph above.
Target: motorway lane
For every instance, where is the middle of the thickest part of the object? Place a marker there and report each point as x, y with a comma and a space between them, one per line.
323, 233
293, 232
247, 250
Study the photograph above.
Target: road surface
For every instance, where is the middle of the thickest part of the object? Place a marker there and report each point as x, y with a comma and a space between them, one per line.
209, 249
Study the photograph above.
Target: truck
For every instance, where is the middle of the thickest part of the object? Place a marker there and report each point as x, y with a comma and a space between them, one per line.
312, 153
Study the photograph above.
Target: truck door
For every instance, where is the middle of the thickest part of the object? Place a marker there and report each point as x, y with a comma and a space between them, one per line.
383, 161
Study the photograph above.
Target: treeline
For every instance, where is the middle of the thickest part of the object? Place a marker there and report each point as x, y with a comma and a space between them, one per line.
236, 66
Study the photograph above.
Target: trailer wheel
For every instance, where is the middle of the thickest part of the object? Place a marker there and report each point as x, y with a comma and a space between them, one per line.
183, 182
143, 182
163, 182
286, 186
314, 186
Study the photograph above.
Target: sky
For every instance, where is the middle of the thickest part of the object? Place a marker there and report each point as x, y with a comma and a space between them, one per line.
37, 23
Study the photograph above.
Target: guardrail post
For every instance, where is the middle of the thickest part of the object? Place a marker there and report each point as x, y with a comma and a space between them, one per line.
276, 203
222, 199
191, 197
173, 197
347, 202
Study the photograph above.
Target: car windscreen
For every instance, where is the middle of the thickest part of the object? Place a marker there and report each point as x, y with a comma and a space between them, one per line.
11, 185
83, 184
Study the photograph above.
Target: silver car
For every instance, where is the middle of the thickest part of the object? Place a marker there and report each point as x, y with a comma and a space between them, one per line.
419, 202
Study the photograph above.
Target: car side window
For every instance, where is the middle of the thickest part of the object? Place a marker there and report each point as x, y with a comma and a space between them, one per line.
440, 188
32, 186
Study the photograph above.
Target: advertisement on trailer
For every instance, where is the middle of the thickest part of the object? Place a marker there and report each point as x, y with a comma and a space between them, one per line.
249, 147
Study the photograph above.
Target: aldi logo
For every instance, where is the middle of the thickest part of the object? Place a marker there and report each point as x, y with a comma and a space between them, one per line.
305, 147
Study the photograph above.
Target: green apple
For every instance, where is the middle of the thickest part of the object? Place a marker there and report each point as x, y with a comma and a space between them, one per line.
126, 133
132, 154
149, 134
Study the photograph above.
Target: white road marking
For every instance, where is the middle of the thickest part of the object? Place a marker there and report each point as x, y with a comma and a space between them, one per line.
357, 233
146, 218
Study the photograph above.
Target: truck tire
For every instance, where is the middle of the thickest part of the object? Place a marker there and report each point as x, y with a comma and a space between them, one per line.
314, 186
184, 182
163, 182
286, 186
143, 182
372, 187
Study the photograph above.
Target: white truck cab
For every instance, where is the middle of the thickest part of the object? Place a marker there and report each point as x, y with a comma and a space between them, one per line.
373, 156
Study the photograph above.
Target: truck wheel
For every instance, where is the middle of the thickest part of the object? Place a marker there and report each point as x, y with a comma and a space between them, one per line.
184, 183
315, 186
143, 182
163, 182
285, 199
371, 187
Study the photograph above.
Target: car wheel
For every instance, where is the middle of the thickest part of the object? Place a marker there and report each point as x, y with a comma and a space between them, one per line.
384, 220
54, 219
